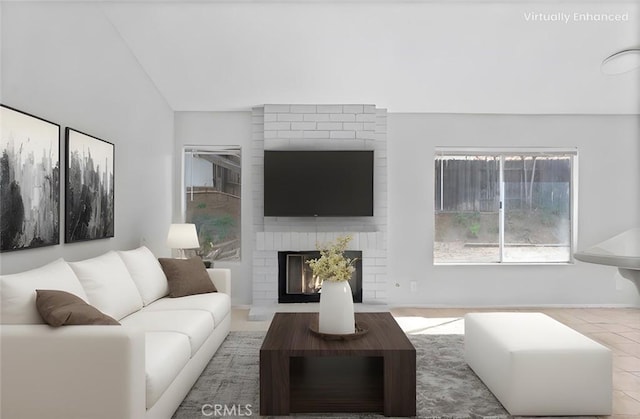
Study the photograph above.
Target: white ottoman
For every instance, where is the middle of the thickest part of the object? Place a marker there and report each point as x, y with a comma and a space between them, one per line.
537, 366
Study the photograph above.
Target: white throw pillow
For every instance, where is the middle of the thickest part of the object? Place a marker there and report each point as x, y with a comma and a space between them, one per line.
18, 291
108, 285
146, 273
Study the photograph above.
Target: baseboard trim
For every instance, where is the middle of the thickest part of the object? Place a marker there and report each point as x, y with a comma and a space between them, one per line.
510, 306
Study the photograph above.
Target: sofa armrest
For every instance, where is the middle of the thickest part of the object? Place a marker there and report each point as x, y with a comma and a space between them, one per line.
72, 372
221, 278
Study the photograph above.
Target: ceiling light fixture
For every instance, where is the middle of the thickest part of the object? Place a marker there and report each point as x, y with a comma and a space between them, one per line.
621, 62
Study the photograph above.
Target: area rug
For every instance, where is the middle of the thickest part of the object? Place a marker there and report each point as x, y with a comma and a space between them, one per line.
446, 387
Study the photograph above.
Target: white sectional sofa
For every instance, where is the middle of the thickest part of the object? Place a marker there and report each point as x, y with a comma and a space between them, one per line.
141, 369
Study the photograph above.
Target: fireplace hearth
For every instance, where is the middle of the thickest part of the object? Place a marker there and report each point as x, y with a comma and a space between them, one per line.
296, 283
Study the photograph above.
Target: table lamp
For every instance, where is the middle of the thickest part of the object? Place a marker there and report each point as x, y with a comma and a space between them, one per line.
182, 236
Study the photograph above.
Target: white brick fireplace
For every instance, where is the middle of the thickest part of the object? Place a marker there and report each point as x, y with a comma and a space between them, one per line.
319, 127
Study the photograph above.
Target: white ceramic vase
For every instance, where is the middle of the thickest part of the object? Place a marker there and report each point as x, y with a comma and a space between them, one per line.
336, 308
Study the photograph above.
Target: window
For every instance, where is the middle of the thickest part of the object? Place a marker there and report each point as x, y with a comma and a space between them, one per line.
212, 190
504, 206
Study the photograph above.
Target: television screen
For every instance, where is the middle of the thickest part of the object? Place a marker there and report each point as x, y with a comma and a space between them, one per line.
318, 183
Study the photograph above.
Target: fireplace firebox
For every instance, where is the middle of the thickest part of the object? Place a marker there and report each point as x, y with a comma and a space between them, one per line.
296, 283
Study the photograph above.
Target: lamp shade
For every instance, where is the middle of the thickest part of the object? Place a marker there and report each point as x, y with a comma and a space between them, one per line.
183, 236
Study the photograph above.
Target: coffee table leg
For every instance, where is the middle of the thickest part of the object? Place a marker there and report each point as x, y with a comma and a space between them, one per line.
400, 383
274, 383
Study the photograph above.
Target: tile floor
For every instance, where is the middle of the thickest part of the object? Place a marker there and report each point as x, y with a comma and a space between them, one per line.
618, 329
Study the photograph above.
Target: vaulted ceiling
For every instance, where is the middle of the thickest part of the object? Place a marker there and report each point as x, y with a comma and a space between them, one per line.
407, 56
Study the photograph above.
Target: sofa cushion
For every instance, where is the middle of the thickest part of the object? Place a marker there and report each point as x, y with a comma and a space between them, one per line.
217, 304
108, 285
186, 276
60, 308
18, 291
196, 325
146, 273
166, 354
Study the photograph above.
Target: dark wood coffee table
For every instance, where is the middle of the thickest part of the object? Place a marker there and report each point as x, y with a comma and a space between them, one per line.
303, 373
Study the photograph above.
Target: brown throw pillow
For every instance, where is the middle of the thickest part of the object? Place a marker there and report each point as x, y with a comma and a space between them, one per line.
61, 308
186, 277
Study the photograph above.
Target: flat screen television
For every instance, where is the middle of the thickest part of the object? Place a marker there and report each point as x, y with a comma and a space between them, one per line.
318, 183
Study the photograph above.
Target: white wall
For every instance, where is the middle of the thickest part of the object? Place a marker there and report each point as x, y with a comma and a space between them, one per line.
66, 63
221, 129
609, 203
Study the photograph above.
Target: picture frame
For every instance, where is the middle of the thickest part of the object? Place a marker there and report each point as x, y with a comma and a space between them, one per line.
90, 189
29, 181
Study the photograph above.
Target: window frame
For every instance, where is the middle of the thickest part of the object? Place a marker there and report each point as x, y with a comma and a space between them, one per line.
502, 152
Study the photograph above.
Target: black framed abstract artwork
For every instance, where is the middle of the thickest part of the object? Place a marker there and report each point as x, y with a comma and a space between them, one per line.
89, 209
29, 181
